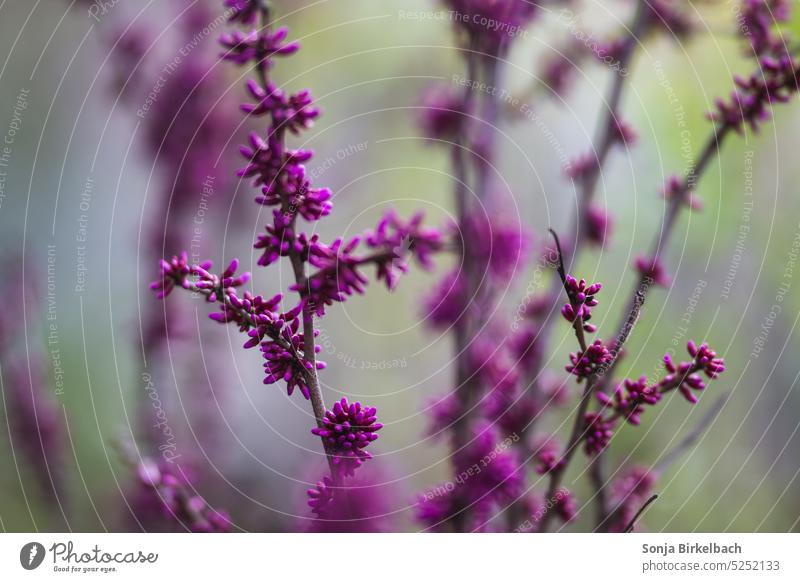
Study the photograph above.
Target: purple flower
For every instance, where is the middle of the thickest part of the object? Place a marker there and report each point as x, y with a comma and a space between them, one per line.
163, 493
665, 14
526, 348
294, 112
244, 11
548, 457
565, 506
582, 167
443, 414
283, 360
320, 497
488, 476
758, 19
652, 270
598, 432
173, 272
628, 494
706, 359
279, 239
267, 162
675, 187
362, 504
584, 365
448, 301
503, 246
227, 282
443, 115
560, 66
347, 430
685, 376
622, 132
581, 301
598, 226
337, 276
510, 407
630, 398
401, 238
494, 23
258, 47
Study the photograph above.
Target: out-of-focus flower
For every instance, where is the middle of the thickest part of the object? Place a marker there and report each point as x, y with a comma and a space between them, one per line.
598, 226
362, 504
442, 113
628, 494
446, 304
653, 270
548, 456
488, 475
163, 496
492, 23
598, 432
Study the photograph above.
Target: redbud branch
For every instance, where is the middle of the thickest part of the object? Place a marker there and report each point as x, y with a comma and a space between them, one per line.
606, 129
674, 205
222, 297
604, 140
602, 143
578, 430
314, 389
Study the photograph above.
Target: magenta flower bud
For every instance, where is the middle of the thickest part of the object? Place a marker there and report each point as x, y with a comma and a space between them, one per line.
347, 430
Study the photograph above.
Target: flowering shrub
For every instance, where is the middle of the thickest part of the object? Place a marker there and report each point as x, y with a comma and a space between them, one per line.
324, 273
506, 467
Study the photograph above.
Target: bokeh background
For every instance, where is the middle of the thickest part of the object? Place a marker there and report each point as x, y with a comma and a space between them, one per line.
80, 167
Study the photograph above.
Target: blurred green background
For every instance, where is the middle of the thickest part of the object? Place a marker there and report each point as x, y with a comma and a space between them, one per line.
367, 66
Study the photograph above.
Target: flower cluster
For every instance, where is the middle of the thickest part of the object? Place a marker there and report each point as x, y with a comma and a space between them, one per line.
599, 226
630, 398
488, 475
758, 19
442, 113
652, 270
346, 430
361, 505
586, 363
286, 336
686, 375
320, 497
778, 73
492, 24
161, 490
244, 11
597, 432
581, 300
666, 14
244, 47
628, 494
548, 457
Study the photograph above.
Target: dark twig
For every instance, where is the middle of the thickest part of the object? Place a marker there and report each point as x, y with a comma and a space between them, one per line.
629, 527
